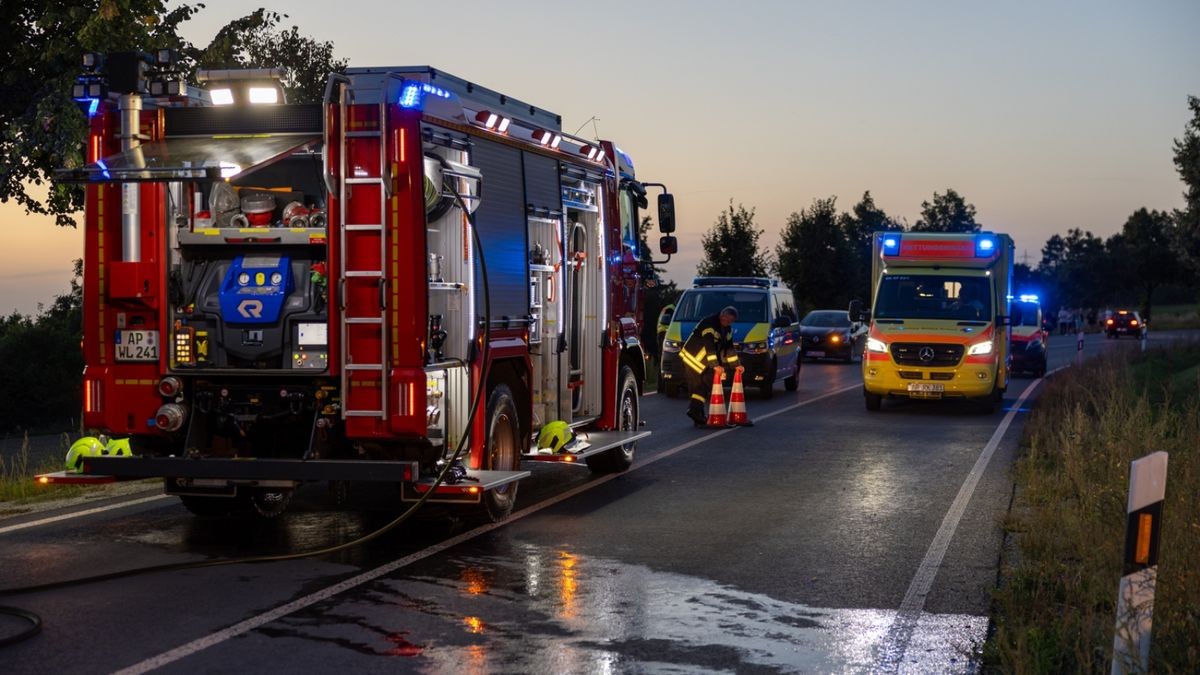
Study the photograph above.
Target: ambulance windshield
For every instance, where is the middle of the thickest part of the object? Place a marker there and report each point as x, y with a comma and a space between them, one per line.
951, 298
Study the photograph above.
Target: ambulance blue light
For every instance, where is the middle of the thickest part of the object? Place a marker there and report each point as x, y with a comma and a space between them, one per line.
1028, 297
891, 244
93, 107
985, 246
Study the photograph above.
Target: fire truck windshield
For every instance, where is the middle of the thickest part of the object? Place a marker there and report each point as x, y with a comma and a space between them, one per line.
951, 298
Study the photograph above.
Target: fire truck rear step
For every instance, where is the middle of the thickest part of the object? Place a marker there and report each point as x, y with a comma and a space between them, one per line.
130, 468
600, 441
469, 491
64, 478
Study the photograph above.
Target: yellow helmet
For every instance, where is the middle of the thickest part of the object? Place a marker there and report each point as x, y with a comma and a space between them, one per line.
555, 437
117, 448
88, 446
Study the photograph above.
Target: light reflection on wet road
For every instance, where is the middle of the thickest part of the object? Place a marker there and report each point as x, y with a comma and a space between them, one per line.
527, 608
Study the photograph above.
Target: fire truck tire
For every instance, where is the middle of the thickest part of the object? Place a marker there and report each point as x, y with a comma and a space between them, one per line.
503, 452
269, 502
210, 507
620, 458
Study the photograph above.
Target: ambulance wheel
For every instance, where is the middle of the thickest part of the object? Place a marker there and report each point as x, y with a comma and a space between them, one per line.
792, 383
620, 458
987, 404
873, 401
503, 452
210, 507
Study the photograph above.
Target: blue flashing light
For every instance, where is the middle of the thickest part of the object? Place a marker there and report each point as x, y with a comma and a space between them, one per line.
413, 94
410, 96
103, 168
93, 107
891, 244
1028, 297
985, 246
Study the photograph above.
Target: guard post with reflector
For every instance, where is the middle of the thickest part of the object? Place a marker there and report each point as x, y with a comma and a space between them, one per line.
1135, 595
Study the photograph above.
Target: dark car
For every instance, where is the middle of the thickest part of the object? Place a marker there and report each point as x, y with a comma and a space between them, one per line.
828, 334
1123, 323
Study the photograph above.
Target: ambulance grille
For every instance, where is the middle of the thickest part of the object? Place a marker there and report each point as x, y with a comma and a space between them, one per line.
909, 354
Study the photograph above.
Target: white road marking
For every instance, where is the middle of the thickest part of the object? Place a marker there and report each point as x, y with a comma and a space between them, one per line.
252, 623
895, 643
79, 514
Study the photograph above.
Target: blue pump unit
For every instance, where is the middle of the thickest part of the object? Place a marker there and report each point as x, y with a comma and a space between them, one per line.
255, 288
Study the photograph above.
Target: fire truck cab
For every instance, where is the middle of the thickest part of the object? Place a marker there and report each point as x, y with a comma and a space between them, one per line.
415, 269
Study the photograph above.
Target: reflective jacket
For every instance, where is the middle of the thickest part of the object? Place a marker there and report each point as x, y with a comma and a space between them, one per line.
710, 344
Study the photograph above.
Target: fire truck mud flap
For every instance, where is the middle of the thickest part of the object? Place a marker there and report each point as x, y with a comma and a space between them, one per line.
467, 491
595, 442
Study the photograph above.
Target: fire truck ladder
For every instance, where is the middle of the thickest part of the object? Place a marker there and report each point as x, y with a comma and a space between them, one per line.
349, 237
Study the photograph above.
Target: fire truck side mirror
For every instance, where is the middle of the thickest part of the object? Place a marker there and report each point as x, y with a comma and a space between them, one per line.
668, 245
666, 213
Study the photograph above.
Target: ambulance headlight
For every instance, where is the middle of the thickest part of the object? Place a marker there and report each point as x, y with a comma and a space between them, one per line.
876, 345
980, 348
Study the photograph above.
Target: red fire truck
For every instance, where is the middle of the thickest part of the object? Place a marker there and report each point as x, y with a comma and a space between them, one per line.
346, 291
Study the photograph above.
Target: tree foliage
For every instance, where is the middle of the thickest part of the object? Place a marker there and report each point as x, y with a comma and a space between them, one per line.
41, 42
40, 363
1142, 254
864, 219
815, 256
1187, 161
947, 213
731, 246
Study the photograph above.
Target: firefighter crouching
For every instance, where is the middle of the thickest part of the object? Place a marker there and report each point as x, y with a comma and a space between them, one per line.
710, 345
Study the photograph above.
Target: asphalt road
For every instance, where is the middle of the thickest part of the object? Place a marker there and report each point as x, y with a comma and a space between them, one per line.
824, 538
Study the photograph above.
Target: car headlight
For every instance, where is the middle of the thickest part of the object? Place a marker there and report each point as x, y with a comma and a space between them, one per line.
980, 348
835, 338
754, 347
671, 345
875, 345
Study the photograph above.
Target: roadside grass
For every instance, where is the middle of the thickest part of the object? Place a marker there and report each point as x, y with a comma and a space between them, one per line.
1174, 317
17, 485
1055, 608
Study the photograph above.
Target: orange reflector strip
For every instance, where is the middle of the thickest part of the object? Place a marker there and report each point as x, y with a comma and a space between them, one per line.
1142, 556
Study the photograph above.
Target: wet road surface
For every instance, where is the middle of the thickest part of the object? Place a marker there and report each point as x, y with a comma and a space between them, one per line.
791, 546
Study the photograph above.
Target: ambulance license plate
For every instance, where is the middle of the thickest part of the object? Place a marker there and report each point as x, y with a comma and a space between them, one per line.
815, 355
137, 345
926, 388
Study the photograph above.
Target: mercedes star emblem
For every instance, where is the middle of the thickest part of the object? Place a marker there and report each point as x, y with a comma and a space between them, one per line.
926, 354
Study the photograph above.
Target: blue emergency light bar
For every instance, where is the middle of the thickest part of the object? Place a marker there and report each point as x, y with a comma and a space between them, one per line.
761, 282
1028, 297
984, 246
413, 94
891, 244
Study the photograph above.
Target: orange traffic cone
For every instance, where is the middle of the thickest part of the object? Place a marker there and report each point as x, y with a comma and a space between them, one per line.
716, 402
737, 402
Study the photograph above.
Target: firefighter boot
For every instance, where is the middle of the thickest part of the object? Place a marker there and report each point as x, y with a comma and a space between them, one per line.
696, 410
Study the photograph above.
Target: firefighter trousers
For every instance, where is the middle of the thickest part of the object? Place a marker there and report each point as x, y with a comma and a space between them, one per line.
698, 384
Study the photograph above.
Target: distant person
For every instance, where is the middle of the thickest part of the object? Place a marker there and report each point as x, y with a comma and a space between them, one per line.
1064, 321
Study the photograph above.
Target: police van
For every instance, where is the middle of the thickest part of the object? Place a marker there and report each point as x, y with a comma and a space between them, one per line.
766, 333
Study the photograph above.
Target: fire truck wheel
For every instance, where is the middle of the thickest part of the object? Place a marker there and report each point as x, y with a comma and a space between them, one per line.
620, 458
503, 451
210, 507
270, 503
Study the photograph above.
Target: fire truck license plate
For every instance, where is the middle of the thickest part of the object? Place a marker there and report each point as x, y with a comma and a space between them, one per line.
137, 345
926, 387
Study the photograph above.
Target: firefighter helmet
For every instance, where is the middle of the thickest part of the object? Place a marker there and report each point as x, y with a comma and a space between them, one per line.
88, 446
118, 448
555, 437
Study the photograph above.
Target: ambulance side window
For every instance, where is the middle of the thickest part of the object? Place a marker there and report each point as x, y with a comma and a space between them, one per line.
629, 223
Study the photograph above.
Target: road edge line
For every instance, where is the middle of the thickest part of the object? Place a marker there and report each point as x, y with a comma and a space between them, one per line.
79, 514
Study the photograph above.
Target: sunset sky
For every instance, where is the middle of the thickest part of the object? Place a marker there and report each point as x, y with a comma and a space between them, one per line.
1044, 115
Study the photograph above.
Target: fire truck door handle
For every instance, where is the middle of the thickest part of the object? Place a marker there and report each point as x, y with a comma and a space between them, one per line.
342, 294
382, 294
